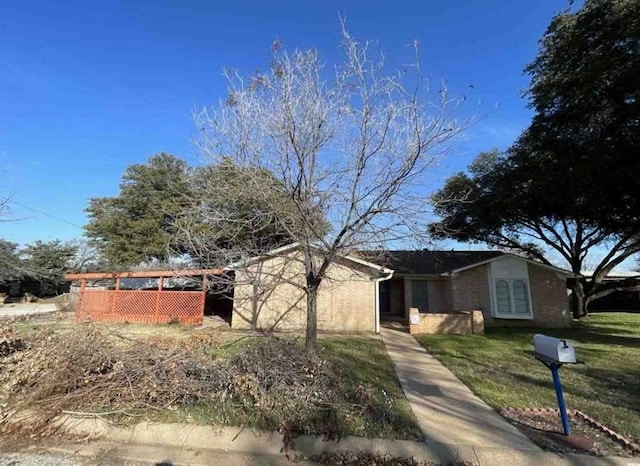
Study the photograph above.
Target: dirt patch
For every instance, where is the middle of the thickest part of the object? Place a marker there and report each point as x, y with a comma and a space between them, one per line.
544, 428
375, 459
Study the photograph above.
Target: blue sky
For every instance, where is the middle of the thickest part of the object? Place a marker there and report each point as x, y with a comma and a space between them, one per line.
90, 87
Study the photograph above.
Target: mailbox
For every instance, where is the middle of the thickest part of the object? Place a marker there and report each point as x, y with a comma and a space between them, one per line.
554, 353
555, 349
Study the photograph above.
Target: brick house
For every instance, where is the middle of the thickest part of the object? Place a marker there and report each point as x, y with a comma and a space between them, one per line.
445, 286
428, 291
267, 294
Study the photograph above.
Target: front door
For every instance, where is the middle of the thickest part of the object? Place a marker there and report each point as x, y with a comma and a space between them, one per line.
385, 297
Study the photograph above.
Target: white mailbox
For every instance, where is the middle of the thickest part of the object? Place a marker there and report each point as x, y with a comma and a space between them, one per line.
554, 348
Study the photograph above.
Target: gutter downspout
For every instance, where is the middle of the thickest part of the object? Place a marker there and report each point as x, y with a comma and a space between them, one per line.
377, 298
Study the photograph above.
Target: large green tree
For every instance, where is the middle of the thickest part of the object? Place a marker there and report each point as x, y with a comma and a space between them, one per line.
585, 91
10, 264
569, 187
502, 201
164, 211
137, 225
229, 213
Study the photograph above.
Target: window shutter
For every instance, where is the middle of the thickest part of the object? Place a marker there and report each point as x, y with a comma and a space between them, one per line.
503, 297
520, 298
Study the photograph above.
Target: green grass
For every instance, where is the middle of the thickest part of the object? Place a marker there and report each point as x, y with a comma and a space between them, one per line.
365, 361
607, 387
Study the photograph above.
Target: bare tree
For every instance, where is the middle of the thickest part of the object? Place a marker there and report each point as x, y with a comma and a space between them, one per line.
350, 142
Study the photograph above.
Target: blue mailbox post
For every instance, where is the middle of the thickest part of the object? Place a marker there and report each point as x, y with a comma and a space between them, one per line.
554, 353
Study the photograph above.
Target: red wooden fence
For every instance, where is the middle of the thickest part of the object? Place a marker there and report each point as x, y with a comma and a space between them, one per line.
141, 306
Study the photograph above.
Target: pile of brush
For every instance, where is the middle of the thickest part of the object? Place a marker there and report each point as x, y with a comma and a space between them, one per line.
88, 370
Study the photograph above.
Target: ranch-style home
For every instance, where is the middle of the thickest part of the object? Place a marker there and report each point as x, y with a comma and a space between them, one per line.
427, 291
422, 291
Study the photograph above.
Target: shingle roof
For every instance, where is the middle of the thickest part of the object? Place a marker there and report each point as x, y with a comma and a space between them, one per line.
428, 262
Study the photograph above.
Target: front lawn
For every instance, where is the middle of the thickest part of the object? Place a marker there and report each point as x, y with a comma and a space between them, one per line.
368, 399
364, 362
182, 374
607, 387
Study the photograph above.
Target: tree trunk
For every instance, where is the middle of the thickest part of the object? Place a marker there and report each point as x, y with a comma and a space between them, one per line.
312, 316
578, 300
254, 307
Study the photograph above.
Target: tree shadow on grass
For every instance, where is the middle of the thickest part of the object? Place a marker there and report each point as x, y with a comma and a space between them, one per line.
603, 335
610, 391
362, 364
580, 333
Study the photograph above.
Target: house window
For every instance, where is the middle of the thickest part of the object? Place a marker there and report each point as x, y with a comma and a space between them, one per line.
419, 295
512, 298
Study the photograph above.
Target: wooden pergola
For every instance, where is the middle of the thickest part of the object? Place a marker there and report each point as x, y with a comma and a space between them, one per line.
141, 306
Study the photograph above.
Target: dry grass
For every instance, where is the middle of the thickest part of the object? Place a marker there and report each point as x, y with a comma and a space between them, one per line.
199, 376
65, 323
375, 459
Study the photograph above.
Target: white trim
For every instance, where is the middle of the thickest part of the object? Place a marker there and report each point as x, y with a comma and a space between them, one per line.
371, 265
422, 276
620, 275
376, 290
513, 317
493, 300
267, 255
508, 254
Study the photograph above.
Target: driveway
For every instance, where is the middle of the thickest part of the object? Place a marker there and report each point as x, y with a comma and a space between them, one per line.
7, 311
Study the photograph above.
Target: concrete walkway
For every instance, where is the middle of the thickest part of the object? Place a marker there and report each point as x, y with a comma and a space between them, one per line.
447, 411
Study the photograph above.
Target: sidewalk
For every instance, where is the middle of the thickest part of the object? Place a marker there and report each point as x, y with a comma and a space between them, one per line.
183, 444
447, 411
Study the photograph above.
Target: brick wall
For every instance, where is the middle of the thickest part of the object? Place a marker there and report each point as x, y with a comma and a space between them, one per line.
266, 294
470, 290
548, 298
463, 323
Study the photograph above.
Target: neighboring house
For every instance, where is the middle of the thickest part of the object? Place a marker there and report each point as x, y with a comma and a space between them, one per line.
509, 290
621, 300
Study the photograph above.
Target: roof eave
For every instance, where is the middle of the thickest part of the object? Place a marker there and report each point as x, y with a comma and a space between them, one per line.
278, 252
529, 261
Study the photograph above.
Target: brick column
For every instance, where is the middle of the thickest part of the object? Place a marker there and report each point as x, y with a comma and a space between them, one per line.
414, 316
477, 320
